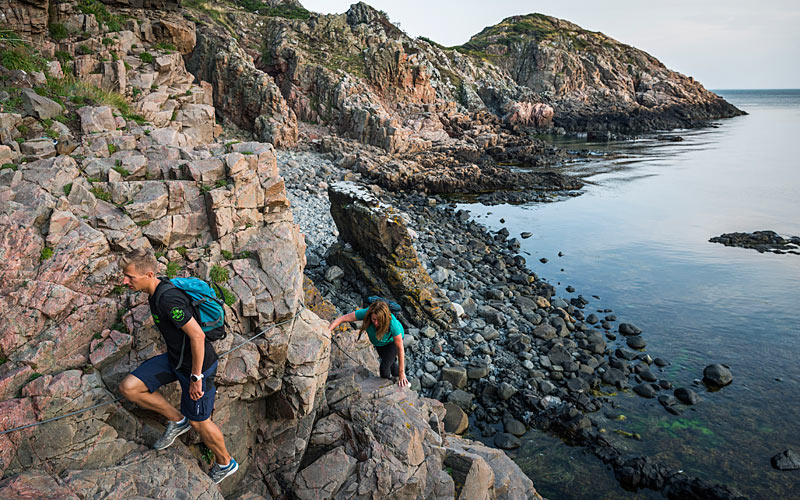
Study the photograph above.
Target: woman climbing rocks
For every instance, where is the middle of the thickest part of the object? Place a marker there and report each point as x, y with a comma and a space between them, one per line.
386, 334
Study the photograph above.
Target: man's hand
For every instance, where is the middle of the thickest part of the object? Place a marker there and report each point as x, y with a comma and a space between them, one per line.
196, 390
402, 381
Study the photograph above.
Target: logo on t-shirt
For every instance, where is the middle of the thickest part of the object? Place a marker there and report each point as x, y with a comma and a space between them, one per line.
177, 314
155, 318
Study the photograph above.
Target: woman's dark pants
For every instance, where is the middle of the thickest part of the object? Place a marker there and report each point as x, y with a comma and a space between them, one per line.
388, 355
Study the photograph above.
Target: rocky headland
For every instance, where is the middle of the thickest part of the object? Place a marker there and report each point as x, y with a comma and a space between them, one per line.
267, 148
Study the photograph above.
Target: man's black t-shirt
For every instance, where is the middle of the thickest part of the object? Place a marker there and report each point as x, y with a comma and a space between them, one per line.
172, 312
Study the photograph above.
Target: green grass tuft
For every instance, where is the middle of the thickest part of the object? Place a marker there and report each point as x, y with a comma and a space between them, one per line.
46, 253
101, 194
218, 274
172, 269
58, 31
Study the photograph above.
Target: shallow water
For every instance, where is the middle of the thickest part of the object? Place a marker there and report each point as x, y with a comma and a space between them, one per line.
637, 237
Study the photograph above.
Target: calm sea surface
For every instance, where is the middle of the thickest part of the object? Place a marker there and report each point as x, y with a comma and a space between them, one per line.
637, 238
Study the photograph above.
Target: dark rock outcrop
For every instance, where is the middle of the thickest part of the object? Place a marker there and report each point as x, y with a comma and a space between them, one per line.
381, 255
762, 241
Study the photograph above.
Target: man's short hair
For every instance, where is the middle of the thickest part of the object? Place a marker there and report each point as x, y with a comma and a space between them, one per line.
143, 260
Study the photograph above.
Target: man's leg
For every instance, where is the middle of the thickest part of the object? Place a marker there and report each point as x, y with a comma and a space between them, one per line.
135, 391
212, 437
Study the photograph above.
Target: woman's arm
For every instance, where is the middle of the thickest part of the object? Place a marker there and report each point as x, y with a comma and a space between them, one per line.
402, 381
341, 319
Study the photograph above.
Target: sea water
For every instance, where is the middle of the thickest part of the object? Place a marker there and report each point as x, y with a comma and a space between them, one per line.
637, 238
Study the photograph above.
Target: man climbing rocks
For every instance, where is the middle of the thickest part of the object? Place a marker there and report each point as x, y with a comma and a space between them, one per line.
190, 359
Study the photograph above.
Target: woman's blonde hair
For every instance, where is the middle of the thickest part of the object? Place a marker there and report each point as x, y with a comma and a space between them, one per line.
380, 310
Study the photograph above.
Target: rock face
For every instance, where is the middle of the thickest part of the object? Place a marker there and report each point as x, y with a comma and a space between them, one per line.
383, 258
593, 82
372, 422
248, 96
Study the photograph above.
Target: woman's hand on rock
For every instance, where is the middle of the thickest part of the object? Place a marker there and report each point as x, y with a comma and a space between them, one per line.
403, 381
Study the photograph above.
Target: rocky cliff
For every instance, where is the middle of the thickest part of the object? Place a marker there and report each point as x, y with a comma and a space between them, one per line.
109, 143
594, 82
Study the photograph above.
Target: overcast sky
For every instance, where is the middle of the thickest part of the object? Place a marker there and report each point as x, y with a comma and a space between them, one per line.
723, 44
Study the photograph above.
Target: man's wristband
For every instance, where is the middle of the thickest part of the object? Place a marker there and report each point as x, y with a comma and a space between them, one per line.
196, 378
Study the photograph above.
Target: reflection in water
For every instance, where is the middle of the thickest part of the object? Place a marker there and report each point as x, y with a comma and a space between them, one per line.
638, 238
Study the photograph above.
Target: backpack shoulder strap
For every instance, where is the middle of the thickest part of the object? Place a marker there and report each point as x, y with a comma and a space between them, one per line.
161, 289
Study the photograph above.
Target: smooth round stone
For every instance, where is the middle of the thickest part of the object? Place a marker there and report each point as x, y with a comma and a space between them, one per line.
506, 441
629, 329
427, 380
717, 375
687, 396
636, 342
648, 376
513, 426
645, 390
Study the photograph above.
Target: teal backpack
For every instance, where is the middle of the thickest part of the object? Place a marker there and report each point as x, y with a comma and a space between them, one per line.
209, 310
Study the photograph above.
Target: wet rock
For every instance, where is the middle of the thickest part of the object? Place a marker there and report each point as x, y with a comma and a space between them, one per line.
686, 396
717, 375
636, 342
629, 329
645, 390
646, 375
786, 460
762, 241
506, 441
577, 384
615, 377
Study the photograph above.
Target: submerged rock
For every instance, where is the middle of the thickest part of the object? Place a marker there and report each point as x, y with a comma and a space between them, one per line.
717, 375
786, 460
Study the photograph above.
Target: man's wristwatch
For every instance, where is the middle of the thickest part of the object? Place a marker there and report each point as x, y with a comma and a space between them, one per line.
196, 378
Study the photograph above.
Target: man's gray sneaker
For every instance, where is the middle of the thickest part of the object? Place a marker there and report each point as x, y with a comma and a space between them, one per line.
171, 433
219, 473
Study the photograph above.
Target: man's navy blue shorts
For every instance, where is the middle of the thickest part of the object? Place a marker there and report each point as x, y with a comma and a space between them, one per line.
158, 371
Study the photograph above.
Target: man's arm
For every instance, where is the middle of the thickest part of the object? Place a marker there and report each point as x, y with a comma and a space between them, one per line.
197, 340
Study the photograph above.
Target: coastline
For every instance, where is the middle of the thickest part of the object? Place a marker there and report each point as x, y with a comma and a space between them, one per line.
522, 369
